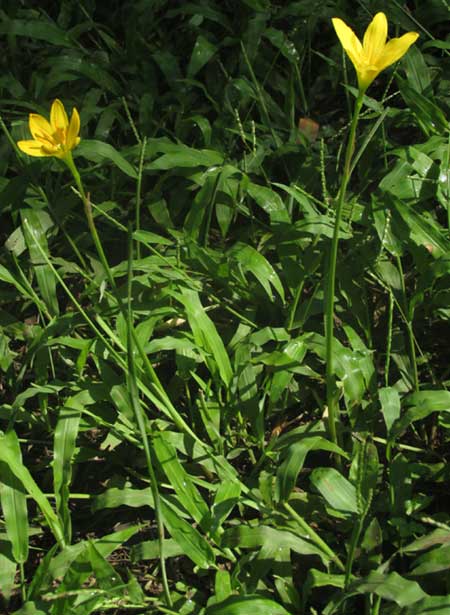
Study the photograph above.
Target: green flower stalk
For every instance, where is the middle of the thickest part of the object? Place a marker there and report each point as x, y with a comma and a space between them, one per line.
369, 58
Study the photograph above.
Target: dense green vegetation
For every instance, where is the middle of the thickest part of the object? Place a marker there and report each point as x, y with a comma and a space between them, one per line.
164, 442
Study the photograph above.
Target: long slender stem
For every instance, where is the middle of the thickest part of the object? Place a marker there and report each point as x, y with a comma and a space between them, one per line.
409, 327
140, 419
314, 537
139, 193
90, 220
331, 283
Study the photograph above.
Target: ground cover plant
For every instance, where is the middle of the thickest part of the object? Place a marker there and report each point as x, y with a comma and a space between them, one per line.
224, 305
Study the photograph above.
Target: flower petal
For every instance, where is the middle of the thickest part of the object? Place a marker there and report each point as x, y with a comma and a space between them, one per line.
375, 38
349, 41
72, 139
395, 49
58, 116
32, 148
40, 127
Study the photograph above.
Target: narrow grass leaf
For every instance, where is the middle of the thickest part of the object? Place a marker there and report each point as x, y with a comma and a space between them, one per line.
14, 507
256, 263
420, 405
187, 157
206, 335
66, 432
35, 29
225, 499
34, 226
9, 445
436, 560
188, 538
97, 151
432, 605
188, 495
294, 458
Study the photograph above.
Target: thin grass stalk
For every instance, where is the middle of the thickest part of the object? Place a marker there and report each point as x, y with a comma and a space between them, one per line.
140, 420
139, 193
314, 537
333, 418
409, 327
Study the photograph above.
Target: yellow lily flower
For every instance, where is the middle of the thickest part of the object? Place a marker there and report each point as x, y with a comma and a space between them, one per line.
55, 138
374, 54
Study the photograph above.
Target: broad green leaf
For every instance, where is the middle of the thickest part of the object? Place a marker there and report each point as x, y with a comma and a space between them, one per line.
146, 237
245, 537
125, 496
97, 151
390, 405
8, 568
201, 54
391, 587
337, 490
270, 202
187, 157
32, 608
149, 549
246, 605
222, 585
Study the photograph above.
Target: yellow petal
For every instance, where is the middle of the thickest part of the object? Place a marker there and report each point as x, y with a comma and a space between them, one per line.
375, 38
366, 76
40, 127
58, 116
74, 128
349, 41
395, 49
32, 148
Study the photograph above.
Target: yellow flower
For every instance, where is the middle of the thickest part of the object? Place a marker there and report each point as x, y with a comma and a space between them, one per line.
55, 138
374, 55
